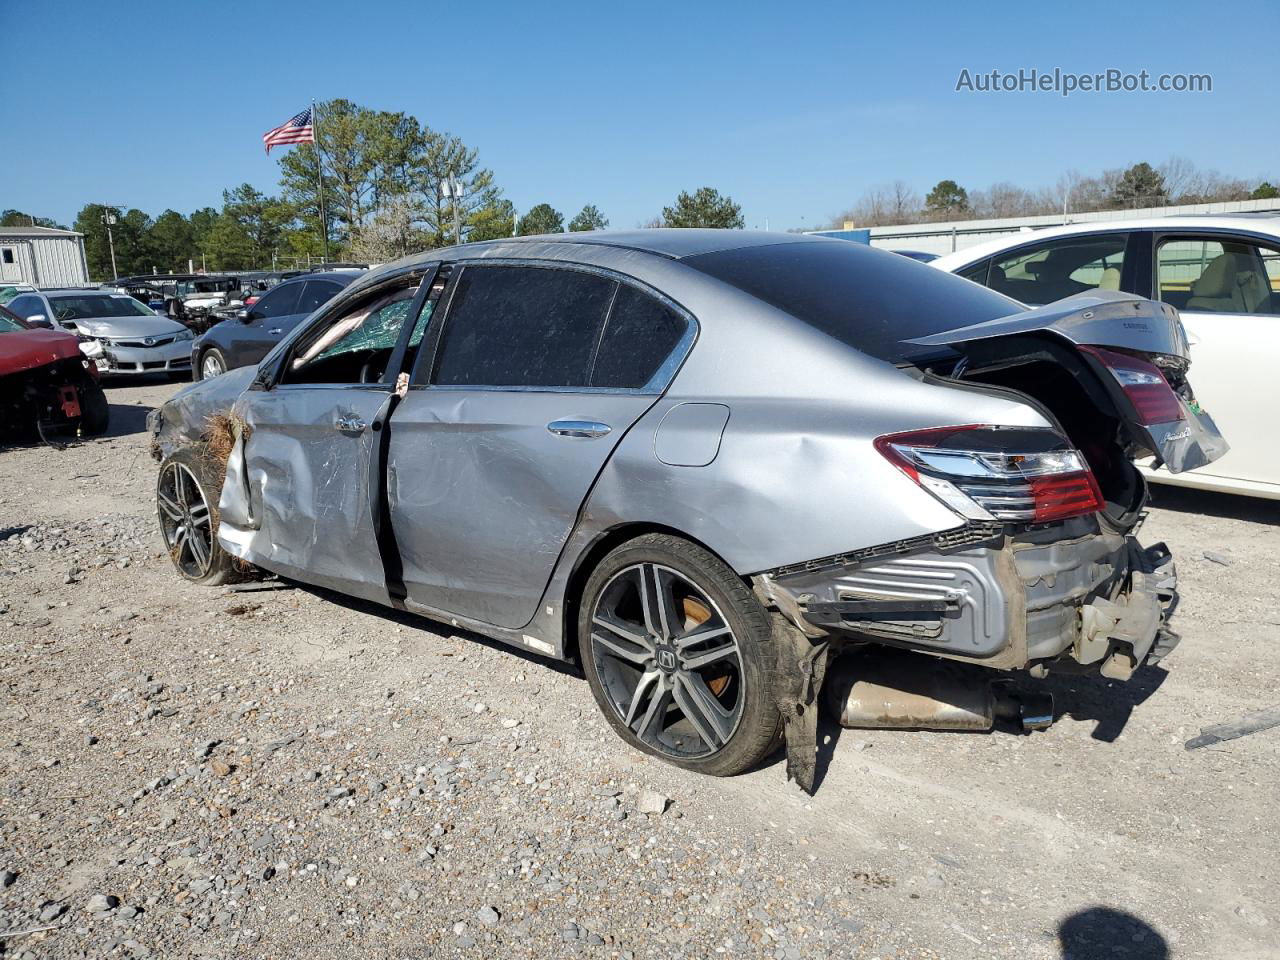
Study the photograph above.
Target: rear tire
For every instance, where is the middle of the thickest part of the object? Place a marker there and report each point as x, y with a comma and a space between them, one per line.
187, 507
685, 675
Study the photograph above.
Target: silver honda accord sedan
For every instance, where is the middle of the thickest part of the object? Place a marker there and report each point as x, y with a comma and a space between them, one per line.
698, 463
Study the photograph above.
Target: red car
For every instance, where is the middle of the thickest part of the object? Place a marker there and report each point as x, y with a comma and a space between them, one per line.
46, 383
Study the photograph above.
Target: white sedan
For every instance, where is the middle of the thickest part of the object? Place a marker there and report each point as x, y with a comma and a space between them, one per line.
1222, 273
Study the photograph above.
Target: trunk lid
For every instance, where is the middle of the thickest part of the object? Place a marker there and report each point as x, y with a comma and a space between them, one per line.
1138, 351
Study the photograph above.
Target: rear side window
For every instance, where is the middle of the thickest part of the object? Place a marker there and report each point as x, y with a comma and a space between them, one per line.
315, 293
280, 302
1060, 268
640, 335
871, 300
515, 326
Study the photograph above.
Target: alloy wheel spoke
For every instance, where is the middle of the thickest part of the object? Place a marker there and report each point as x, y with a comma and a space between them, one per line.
696, 661
649, 601
180, 537
630, 652
627, 631
169, 508
703, 710
199, 513
701, 634
646, 681
180, 485
656, 711
199, 550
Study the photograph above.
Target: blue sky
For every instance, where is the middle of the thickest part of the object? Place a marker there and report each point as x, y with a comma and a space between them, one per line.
793, 109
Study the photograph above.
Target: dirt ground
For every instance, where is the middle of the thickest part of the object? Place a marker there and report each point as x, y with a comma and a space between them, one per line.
191, 771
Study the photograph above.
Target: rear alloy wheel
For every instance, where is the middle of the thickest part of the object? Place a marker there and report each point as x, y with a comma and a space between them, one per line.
678, 653
188, 521
212, 364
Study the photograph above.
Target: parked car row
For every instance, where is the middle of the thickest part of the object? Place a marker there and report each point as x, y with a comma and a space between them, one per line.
116, 332
700, 462
1221, 273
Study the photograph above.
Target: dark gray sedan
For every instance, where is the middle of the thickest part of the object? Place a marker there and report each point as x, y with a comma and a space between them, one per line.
697, 462
249, 336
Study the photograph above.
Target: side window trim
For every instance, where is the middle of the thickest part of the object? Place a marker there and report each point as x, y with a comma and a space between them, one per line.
425, 366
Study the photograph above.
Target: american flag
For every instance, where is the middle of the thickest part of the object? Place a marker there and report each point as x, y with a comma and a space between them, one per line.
296, 130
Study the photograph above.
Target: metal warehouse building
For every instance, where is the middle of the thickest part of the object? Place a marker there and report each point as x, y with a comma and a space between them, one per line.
42, 257
947, 237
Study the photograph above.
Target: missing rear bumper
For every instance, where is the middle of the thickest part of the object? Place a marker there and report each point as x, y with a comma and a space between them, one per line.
1071, 595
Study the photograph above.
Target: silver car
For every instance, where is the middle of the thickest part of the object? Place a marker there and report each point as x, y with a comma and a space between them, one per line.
119, 334
698, 463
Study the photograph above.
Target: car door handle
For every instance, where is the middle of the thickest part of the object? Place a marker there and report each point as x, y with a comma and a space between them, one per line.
276, 331
349, 424
586, 429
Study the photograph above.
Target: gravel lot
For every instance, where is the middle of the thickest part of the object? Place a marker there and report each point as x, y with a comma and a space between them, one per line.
189, 771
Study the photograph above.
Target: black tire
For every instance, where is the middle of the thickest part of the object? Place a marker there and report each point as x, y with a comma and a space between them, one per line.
744, 685
189, 519
95, 411
214, 355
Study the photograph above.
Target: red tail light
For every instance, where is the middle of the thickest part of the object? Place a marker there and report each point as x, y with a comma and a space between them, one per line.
1005, 473
1143, 383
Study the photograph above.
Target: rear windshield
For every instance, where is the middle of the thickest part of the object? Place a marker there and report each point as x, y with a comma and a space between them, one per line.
871, 300
94, 305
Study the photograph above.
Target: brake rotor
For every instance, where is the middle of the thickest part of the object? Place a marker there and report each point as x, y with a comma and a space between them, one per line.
697, 613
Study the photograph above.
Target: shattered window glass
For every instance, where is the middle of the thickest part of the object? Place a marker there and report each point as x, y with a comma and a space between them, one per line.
522, 327
357, 345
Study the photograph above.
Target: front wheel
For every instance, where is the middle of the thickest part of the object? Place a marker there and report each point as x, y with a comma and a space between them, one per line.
187, 505
679, 656
95, 411
212, 364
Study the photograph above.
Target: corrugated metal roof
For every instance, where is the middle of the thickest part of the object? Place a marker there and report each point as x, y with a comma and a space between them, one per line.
37, 232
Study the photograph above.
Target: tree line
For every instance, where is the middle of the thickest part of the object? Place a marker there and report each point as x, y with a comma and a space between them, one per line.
392, 186
1177, 181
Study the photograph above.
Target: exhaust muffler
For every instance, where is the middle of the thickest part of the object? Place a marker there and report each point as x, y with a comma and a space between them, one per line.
895, 690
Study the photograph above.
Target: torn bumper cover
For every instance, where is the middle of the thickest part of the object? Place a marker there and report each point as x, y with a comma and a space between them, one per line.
1074, 598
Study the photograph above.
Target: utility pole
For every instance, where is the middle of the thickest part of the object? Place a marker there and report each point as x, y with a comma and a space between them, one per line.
324, 219
109, 218
450, 189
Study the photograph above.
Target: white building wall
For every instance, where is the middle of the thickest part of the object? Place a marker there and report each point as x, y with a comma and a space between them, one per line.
44, 261
943, 238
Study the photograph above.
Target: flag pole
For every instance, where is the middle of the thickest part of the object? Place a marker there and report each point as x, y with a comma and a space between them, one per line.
324, 220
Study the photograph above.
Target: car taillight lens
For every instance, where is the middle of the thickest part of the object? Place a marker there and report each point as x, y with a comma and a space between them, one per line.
1004, 473
1143, 383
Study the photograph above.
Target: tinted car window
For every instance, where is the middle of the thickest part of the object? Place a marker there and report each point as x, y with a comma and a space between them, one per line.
870, 299
641, 333
279, 302
315, 293
977, 273
522, 327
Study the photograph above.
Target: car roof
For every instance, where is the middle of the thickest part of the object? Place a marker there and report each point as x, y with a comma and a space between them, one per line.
1256, 222
673, 243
